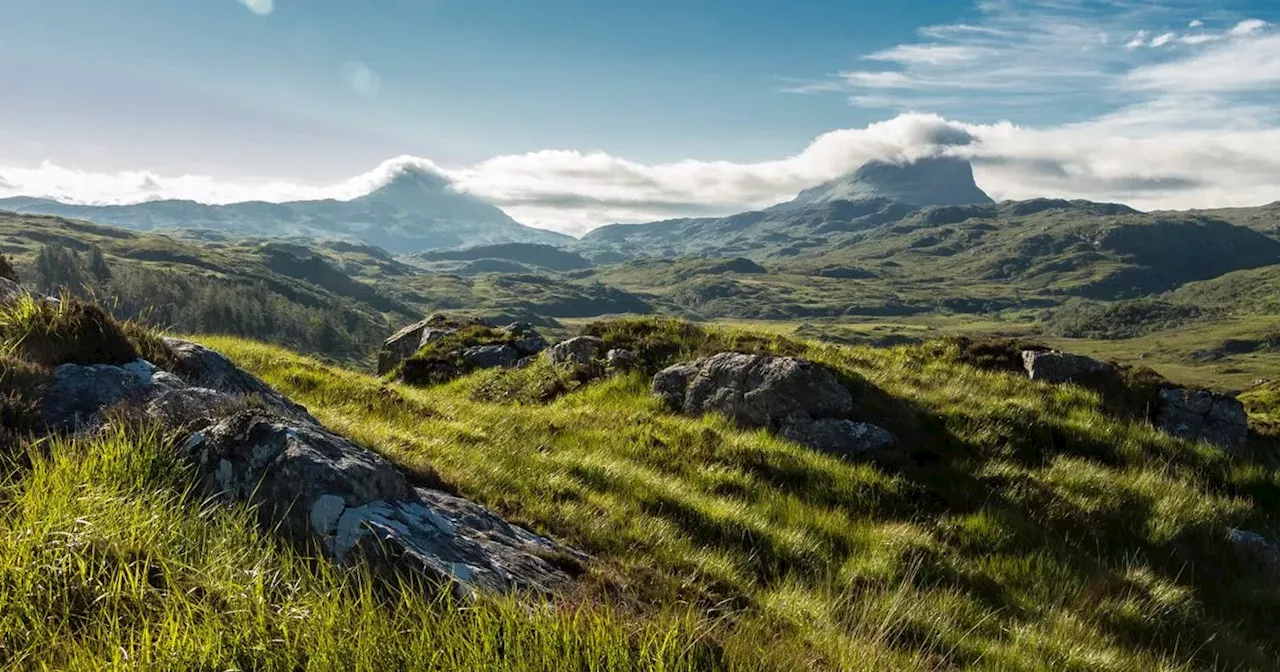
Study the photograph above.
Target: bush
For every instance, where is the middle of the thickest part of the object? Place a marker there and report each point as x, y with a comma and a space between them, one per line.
6, 269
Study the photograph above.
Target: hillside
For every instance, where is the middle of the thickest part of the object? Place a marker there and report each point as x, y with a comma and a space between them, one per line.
416, 210
1017, 525
529, 256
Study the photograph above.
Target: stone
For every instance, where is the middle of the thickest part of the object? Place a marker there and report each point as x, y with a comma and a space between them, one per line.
620, 359
1054, 366
1257, 549
10, 290
840, 436
579, 352
754, 390
409, 339
525, 339
78, 394
1200, 415
793, 397
490, 356
315, 486
202, 367
189, 407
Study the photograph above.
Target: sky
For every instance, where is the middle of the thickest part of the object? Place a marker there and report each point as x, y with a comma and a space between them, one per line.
571, 114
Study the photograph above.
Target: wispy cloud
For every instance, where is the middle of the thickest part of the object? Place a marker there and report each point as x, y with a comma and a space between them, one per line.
259, 7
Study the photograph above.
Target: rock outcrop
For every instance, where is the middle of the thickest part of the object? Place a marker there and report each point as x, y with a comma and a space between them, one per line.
793, 397
580, 352
252, 444
1053, 366
1202, 415
1256, 549
499, 347
410, 339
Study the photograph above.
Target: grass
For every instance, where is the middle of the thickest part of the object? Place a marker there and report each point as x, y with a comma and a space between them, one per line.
1024, 527
1032, 529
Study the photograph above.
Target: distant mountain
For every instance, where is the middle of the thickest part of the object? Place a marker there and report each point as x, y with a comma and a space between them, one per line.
875, 194
416, 210
522, 255
935, 181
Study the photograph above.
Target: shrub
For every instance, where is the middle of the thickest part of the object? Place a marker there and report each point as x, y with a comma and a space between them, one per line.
6, 269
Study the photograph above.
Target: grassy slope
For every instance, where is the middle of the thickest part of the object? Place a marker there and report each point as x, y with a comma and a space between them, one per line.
1040, 534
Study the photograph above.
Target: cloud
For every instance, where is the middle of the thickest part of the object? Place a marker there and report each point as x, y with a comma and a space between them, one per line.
259, 7
1248, 27
1243, 64
1138, 40
1196, 23
361, 78
933, 54
1164, 39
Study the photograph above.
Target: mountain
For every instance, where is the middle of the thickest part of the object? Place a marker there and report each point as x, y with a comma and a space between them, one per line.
935, 181
414, 211
875, 194
517, 255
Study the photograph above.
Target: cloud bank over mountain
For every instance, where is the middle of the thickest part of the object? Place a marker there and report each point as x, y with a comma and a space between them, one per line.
1186, 114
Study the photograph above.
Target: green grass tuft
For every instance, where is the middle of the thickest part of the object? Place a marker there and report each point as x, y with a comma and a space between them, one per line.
48, 333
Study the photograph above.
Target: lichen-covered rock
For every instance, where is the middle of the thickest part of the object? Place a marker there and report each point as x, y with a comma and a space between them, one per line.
793, 397
189, 407
79, 394
1202, 415
579, 352
1256, 549
619, 359
202, 367
755, 390
1053, 366
525, 339
490, 356
409, 339
315, 485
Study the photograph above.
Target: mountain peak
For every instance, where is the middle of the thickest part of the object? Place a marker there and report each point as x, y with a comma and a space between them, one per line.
932, 181
409, 186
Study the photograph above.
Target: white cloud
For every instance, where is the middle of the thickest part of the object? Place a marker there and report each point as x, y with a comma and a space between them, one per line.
361, 78
259, 7
1164, 39
1196, 23
1247, 64
933, 54
1138, 40
879, 80
1248, 27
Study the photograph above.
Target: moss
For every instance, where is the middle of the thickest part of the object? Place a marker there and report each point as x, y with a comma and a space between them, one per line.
441, 360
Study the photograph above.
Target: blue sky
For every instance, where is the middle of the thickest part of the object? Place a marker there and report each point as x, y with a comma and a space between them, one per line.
546, 106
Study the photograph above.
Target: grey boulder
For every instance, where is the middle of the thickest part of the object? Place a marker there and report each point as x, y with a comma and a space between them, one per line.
202, 367
525, 339
579, 352
1256, 549
620, 359
1202, 415
1053, 366
490, 356
315, 485
793, 397
78, 394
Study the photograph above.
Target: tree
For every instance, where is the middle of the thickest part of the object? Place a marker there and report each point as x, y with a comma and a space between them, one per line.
98, 267
60, 268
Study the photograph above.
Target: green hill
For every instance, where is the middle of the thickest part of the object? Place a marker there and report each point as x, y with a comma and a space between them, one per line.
1019, 526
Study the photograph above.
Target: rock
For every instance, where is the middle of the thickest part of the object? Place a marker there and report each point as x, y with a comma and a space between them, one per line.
1059, 367
525, 339
79, 394
840, 436
619, 359
797, 399
314, 485
579, 352
10, 290
1202, 415
755, 390
202, 367
490, 356
189, 407
409, 339
1255, 548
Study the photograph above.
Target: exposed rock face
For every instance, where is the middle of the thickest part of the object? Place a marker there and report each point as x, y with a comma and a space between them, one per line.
202, 367
408, 340
794, 397
1059, 367
490, 356
1202, 415
522, 340
313, 484
79, 394
1257, 549
579, 352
